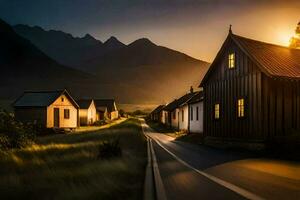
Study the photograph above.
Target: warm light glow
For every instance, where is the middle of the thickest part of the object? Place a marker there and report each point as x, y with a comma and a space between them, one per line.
241, 108
231, 60
283, 37
217, 111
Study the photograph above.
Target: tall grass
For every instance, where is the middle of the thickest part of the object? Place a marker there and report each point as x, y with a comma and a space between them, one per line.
67, 167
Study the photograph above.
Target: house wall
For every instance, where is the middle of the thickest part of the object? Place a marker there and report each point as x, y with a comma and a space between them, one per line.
114, 115
83, 116
196, 124
33, 115
183, 111
61, 105
225, 86
174, 118
91, 114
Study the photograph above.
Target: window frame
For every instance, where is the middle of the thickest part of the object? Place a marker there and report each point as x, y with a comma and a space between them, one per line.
231, 64
219, 111
192, 113
241, 105
197, 113
66, 113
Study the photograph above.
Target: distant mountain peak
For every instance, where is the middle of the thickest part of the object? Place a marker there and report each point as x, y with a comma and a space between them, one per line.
90, 38
143, 42
113, 43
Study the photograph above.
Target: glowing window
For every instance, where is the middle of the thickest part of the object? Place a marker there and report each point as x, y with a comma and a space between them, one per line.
231, 60
217, 111
241, 108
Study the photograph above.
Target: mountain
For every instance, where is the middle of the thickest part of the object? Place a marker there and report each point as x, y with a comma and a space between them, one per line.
140, 72
25, 67
60, 46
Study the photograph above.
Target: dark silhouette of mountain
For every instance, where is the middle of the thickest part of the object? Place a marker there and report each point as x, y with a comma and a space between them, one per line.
140, 72
25, 67
62, 47
113, 44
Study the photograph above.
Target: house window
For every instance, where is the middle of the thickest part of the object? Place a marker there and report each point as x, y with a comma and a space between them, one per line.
241, 108
197, 113
192, 114
182, 115
231, 60
62, 99
174, 115
66, 113
217, 111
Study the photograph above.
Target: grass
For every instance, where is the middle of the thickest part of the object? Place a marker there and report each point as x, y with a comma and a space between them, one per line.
65, 166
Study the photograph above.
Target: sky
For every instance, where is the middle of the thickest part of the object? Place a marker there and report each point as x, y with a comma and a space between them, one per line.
195, 27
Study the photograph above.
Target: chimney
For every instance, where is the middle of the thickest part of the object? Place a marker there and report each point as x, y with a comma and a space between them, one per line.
191, 89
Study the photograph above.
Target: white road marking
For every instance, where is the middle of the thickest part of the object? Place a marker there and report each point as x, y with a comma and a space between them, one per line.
230, 186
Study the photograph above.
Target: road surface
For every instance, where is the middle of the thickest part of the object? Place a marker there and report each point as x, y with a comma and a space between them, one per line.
197, 172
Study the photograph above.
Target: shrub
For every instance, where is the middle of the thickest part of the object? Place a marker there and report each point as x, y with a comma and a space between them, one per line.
99, 123
110, 149
14, 134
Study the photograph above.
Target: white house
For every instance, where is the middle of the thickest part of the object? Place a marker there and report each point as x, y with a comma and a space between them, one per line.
195, 105
174, 115
52, 109
87, 111
183, 117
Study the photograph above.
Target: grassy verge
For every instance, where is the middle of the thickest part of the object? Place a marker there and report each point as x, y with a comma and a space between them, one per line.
67, 167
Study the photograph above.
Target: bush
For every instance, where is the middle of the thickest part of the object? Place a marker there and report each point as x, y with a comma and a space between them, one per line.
14, 134
110, 149
99, 123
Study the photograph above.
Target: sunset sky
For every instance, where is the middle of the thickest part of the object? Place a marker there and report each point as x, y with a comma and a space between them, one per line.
195, 27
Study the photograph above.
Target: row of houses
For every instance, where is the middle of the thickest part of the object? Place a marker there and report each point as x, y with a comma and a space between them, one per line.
58, 109
184, 113
250, 92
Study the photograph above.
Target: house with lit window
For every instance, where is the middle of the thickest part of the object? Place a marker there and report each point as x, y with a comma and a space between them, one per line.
195, 105
87, 111
174, 110
52, 109
252, 90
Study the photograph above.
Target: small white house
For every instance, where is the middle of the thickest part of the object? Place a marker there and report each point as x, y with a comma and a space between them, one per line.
52, 109
177, 112
196, 113
183, 117
87, 111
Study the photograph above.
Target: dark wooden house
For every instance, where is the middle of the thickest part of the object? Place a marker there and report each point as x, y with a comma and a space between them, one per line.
252, 91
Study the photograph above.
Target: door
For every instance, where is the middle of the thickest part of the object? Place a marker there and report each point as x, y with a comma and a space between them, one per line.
56, 117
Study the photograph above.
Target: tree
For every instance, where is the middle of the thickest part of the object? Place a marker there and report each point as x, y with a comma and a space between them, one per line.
295, 41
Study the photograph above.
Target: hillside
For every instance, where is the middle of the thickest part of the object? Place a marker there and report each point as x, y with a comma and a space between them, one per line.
140, 72
25, 67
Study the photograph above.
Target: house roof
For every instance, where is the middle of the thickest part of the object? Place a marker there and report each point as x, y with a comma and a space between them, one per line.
196, 98
41, 98
178, 102
274, 60
108, 103
84, 103
158, 109
101, 109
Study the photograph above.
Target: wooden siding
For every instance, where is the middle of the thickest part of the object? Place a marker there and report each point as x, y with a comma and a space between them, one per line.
272, 107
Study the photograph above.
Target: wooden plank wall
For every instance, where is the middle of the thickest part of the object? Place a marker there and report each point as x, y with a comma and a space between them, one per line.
272, 106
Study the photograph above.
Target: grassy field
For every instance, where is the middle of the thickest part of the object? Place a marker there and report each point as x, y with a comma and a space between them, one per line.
67, 167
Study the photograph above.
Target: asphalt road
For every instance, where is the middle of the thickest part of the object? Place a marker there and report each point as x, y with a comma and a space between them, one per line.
197, 172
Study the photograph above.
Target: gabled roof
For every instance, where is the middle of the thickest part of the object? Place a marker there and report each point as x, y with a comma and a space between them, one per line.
196, 98
101, 109
158, 109
41, 98
108, 103
178, 102
84, 103
274, 60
